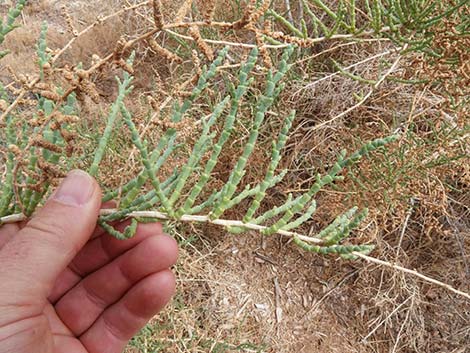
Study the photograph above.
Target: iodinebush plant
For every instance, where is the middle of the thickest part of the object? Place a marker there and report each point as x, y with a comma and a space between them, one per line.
9, 26
41, 149
167, 197
415, 27
410, 22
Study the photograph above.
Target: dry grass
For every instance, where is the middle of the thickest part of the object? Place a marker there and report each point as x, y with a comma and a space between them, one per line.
247, 294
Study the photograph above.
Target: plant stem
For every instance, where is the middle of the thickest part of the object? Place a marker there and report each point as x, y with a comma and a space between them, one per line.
229, 223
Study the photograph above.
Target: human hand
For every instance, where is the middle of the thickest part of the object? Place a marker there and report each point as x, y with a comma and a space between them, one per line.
66, 287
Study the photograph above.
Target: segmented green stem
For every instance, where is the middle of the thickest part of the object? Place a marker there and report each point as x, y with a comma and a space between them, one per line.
7, 187
315, 20
145, 160
345, 228
155, 159
285, 23
132, 189
244, 83
9, 26
275, 211
332, 176
43, 56
128, 233
352, 6
303, 218
202, 84
345, 251
275, 159
124, 90
265, 102
200, 148
144, 202
342, 220
167, 187
36, 199
28, 193
248, 192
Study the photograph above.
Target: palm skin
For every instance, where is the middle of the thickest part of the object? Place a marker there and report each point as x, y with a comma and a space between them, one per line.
62, 291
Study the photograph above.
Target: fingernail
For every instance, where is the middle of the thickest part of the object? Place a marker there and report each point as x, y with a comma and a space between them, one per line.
76, 189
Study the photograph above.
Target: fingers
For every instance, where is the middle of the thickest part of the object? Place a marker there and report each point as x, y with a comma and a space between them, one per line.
35, 257
119, 323
97, 253
105, 248
83, 304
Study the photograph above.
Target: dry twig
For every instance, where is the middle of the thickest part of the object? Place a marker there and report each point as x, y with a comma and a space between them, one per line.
230, 223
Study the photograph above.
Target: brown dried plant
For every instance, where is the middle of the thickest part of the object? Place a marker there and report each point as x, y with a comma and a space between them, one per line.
252, 30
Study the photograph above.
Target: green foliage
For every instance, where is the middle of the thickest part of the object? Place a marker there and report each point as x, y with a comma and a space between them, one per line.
8, 25
41, 50
7, 186
404, 22
124, 90
185, 195
44, 146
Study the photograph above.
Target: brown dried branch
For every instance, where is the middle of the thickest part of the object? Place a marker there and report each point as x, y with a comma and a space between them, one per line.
183, 11
256, 15
157, 48
69, 21
202, 45
158, 14
246, 19
208, 10
262, 48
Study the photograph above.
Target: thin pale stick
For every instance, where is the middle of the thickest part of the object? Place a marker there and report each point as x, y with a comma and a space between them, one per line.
364, 340
232, 223
312, 41
359, 63
412, 272
94, 24
363, 100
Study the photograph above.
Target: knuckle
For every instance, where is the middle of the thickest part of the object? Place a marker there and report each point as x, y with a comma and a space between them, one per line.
113, 329
49, 230
94, 297
47, 226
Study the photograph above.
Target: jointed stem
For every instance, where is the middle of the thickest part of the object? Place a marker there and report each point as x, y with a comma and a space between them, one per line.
184, 218
229, 223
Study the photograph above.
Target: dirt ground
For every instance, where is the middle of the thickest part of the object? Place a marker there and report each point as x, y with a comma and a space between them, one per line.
242, 293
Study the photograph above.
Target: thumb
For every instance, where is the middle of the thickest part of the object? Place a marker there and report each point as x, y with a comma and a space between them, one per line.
47, 244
